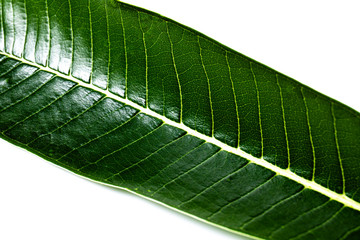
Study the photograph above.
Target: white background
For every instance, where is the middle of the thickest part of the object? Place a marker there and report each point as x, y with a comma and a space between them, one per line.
315, 42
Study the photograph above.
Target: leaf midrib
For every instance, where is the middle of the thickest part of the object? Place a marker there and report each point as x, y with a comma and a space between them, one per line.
341, 198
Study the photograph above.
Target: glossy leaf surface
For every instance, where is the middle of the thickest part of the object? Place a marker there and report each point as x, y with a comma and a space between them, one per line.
132, 99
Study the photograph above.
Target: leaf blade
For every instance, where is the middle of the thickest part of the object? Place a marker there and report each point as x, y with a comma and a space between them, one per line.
205, 120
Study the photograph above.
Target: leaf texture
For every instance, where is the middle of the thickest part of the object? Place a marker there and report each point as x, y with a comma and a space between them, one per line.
131, 99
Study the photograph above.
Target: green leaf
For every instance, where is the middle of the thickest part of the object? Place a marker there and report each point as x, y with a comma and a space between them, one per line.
134, 100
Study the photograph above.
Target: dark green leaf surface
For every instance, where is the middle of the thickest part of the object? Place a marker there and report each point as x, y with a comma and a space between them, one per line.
131, 99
